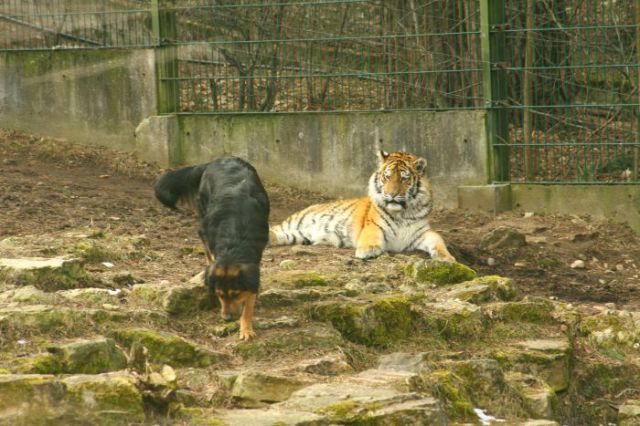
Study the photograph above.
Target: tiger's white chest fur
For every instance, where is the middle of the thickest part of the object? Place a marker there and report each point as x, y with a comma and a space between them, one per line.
401, 233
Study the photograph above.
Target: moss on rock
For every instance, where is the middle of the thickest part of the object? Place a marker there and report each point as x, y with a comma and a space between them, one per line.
301, 279
166, 348
483, 289
106, 399
313, 337
539, 311
380, 322
438, 272
452, 319
253, 387
452, 391
45, 274
89, 356
31, 399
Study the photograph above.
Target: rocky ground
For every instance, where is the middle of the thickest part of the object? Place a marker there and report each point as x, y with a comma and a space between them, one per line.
104, 321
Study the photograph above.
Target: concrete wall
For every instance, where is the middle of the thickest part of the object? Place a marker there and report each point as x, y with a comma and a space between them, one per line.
86, 96
620, 203
332, 153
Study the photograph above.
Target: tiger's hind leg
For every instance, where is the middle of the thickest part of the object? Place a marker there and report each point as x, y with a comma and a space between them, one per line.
432, 243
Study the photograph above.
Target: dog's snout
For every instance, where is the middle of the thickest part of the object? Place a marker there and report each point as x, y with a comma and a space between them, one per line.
227, 317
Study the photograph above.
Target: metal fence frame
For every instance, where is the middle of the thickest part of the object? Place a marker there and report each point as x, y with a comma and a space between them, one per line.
518, 152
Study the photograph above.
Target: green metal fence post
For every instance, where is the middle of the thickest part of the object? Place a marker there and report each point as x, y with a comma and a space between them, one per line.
492, 21
636, 151
164, 32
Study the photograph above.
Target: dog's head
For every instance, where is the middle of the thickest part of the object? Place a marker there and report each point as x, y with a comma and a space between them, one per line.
232, 283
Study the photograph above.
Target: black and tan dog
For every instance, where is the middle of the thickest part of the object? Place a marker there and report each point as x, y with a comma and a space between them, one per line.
233, 209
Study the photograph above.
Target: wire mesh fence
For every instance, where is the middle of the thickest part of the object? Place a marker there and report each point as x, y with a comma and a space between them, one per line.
74, 24
569, 93
572, 90
327, 55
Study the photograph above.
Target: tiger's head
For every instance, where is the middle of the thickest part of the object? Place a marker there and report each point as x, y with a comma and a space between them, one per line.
399, 183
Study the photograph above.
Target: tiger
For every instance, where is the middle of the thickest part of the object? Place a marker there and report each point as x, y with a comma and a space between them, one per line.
392, 218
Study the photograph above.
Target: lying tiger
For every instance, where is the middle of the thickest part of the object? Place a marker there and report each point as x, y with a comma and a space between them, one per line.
392, 218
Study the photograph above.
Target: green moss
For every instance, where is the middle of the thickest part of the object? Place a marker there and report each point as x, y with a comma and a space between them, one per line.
304, 340
39, 364
452, 391
186, 300
90, 356
453, 320
115, 398
165, 348
536, 311
340, 409
70, 275
302, 279
36, 395
439, 273
94, 252
380, 323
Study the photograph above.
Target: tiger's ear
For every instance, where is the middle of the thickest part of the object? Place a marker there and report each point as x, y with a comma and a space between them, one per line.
420, 165
382, 156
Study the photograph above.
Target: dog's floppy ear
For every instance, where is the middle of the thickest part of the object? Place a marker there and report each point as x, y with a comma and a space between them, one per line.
250, 274
209, 277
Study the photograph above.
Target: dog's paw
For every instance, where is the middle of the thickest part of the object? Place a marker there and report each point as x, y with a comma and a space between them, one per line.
247, 334
368, 252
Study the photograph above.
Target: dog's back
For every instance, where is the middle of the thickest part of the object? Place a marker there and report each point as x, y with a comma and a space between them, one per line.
234, 210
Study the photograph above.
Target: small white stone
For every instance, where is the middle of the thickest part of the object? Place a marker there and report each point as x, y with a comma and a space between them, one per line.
528, 215
578, 264
491, 261
107, 264
619, 267
168, 373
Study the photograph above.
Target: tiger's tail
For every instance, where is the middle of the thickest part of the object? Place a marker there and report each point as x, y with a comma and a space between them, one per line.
287, 233
179, 186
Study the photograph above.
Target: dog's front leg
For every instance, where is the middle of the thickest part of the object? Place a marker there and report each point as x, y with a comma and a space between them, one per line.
246, 320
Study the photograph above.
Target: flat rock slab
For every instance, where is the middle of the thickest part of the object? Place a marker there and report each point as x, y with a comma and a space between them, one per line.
112, 398
34, 263
268, 417
546, 345
262, 387
352, 403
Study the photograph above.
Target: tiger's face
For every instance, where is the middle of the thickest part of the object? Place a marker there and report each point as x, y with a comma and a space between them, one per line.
396, 182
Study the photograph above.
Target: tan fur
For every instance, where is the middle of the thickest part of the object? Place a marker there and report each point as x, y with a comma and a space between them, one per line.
393, 217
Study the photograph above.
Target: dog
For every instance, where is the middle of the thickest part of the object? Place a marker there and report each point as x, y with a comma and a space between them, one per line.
233, 211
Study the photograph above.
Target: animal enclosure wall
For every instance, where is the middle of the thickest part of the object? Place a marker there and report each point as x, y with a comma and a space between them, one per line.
330, 153
88, 96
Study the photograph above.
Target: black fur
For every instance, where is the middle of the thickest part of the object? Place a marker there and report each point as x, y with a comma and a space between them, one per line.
233, 209
179, 185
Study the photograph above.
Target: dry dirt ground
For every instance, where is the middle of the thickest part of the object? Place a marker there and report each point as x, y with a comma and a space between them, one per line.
49, 186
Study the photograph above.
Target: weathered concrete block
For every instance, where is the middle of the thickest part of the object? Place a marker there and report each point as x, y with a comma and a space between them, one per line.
154, 136
495, 198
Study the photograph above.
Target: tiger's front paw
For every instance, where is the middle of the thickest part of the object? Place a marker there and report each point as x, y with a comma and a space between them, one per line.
446, 258
368, 252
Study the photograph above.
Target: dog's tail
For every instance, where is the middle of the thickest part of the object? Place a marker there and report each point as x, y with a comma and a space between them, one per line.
179, 186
